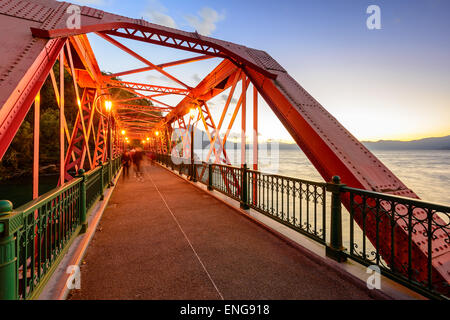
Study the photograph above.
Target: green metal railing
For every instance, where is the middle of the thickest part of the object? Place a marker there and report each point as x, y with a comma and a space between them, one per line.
227, 180
299, 204
392, 213
315, 210
35, 236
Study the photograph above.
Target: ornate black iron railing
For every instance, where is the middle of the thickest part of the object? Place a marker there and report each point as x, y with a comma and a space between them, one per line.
303, 206
428, 220
299, 204
227, 180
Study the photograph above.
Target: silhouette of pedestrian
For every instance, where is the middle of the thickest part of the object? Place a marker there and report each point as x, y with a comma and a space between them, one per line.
126, 163
137, 156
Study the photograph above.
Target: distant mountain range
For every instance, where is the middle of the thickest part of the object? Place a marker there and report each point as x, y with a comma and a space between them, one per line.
441, 143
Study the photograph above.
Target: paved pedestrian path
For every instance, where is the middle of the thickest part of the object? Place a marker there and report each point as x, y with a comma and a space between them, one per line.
163, 238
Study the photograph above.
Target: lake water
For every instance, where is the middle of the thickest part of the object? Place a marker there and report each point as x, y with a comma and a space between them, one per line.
20, 190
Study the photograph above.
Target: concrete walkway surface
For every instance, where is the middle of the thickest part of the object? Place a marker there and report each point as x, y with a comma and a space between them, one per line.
163, 238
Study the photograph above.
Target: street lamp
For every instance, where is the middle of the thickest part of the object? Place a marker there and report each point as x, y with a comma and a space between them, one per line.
108, 108
148, 143
192, 115
123, 132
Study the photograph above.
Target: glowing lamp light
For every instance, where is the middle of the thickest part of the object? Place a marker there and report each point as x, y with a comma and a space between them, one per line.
108, 105
157, 133
123, 132
148, 139
192, 113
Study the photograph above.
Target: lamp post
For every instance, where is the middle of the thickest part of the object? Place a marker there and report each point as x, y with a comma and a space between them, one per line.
108, 107
157, 142
192, 115
123, 132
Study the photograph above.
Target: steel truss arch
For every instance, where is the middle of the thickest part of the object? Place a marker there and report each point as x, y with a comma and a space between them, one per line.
40, 37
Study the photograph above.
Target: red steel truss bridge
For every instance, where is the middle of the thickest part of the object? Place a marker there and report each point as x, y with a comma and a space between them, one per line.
35, 40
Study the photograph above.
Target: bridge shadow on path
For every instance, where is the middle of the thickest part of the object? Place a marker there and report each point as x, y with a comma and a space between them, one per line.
162, 238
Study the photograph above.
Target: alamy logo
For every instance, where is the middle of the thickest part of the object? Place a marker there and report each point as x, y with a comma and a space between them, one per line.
374, 20
74, 20
74, 280
374, 280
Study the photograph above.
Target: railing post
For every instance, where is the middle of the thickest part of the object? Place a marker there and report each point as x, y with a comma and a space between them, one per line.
108, 168
334, 249
210, 176
83, 209
194, 172
102, 181
111, 177
8, 258
244, 195
112, 169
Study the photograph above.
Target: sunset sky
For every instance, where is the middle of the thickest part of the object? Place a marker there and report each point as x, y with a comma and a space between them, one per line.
392, 83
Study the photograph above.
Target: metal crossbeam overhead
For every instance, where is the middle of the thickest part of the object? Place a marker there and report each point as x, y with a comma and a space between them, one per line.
151, 98
142, 59
133, 113
147, 87
122, 106
162, 66
29, 52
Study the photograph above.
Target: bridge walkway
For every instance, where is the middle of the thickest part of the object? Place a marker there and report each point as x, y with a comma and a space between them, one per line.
163, 238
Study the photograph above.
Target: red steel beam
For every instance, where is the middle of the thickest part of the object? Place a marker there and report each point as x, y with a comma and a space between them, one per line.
147, 87
334, 151
142, 59
162, 66
15, 108
145, 108
329, 146
223, 76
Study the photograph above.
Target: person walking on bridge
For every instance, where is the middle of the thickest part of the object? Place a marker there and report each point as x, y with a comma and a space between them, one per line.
126, 163
137, 161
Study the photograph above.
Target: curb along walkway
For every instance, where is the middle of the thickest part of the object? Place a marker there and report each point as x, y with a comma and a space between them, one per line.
162, 238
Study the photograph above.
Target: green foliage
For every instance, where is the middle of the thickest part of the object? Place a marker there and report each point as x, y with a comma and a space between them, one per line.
20, 153
49, 143
18, 160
